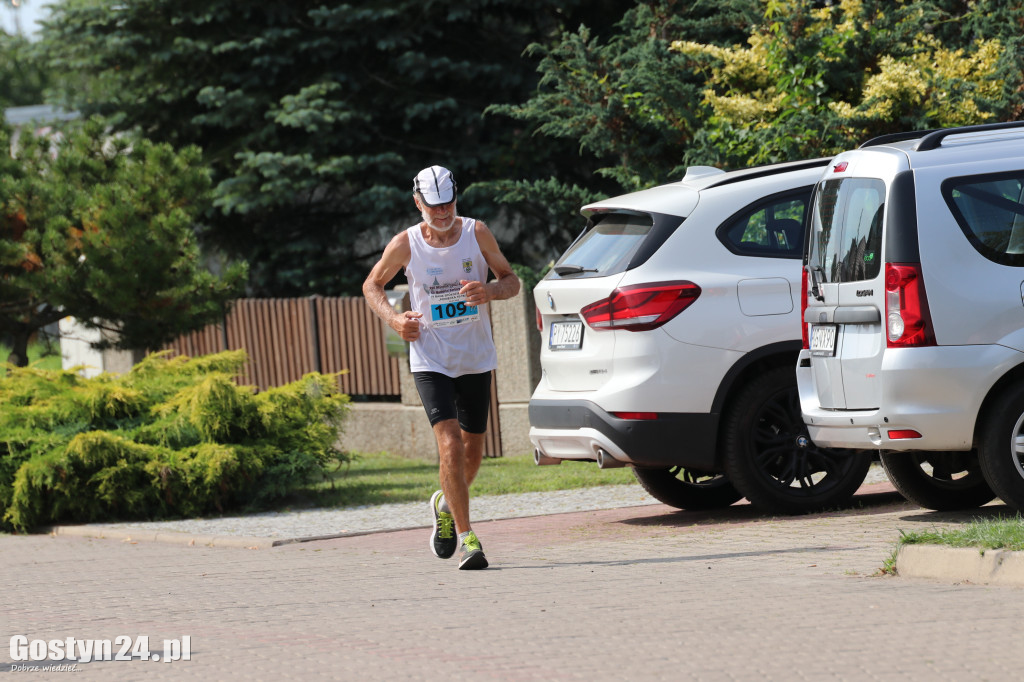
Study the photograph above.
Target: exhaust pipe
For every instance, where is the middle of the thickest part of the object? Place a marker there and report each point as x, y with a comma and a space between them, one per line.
606, 461
540, 459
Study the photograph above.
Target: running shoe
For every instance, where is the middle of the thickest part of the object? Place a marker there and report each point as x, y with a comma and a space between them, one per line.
442, 541
472, 557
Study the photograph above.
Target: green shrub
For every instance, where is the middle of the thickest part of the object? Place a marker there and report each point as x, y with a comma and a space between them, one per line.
173, 437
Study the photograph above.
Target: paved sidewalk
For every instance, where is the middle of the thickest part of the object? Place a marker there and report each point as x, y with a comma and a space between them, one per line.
636, 593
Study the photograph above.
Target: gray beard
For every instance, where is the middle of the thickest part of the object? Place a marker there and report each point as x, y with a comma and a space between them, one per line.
432, 225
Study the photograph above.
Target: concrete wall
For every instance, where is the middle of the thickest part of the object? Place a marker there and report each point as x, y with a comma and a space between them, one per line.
399, 429
76, 351
518, 344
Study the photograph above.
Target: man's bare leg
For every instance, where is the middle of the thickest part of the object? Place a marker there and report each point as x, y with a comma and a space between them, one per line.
460, 456
474, 448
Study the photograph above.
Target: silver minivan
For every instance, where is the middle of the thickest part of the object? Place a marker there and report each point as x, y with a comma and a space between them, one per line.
914, 312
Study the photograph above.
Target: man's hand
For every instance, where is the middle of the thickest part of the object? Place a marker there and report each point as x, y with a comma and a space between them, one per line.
407, 325
475, 292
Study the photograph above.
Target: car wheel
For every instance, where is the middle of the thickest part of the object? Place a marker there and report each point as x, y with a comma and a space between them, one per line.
772, 461
1001, 447
942, 481
687, 489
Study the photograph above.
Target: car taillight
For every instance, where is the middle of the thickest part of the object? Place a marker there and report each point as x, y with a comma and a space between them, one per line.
640, 307
540, 319
803, 309
907, 321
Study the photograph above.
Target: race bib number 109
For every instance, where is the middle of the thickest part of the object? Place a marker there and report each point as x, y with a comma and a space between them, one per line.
450, 309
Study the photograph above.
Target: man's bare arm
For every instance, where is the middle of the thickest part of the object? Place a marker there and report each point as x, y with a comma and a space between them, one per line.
396, 256
507, 283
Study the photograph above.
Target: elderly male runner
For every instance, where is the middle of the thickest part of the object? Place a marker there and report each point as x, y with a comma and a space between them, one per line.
451, 352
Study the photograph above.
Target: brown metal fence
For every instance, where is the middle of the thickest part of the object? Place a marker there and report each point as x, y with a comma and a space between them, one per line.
351, 337
288, 337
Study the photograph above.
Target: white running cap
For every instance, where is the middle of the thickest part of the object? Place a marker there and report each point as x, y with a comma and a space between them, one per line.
436, 185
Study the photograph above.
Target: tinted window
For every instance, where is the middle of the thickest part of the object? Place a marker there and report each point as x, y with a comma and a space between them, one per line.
846, 230
774, 227
990, 211
606, 247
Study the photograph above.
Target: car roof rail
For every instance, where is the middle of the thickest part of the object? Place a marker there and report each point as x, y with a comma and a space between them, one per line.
765, 171
934, 140
896, 137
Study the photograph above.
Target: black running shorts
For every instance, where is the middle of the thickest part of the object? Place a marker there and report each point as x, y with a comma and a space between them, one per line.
465, 398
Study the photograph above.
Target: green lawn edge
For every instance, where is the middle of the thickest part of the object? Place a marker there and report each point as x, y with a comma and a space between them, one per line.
383, 478
998, 533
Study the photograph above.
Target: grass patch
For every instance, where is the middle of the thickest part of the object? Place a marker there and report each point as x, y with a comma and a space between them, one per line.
998, 533
44, 355
383, 478
889, 565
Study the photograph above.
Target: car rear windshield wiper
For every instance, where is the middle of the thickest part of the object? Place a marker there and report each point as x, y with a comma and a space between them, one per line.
569, 269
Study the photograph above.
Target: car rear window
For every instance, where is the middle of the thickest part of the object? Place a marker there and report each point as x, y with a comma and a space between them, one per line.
606, 248
990, 211
846, 230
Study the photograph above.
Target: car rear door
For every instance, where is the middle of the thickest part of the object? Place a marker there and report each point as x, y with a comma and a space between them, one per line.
846, 291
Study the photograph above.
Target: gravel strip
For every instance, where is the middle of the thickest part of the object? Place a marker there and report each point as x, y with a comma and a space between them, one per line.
309, 523
323, 522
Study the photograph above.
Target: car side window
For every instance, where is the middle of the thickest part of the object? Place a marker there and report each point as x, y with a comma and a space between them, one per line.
773, 227
990, 211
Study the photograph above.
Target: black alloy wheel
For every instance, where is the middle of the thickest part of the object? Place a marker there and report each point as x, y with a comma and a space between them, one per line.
1001, 446
687, 488
772, 461
942, 481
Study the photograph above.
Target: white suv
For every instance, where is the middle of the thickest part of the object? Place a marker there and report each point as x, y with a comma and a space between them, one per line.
671, 329
914, 318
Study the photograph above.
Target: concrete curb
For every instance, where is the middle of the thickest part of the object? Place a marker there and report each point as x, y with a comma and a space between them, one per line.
961, 564
170, 537
198, 539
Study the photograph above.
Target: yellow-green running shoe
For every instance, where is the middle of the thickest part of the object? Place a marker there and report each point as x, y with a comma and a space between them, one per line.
472, 557
442, 541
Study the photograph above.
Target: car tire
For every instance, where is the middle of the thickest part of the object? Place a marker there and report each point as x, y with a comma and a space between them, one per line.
687, 489
942, 481
772, 461
1001, 447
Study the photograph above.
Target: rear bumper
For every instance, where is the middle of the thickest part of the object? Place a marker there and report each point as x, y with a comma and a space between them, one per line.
576, 429
935, 391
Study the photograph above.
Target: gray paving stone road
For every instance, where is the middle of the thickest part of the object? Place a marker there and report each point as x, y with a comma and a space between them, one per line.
638, 593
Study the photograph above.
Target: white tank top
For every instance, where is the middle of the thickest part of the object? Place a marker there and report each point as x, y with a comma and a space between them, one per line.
455, 339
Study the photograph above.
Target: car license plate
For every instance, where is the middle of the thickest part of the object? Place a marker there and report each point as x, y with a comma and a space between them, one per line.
566, 336
823, 339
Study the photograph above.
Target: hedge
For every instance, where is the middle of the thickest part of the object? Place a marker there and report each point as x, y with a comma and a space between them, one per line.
173, 437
